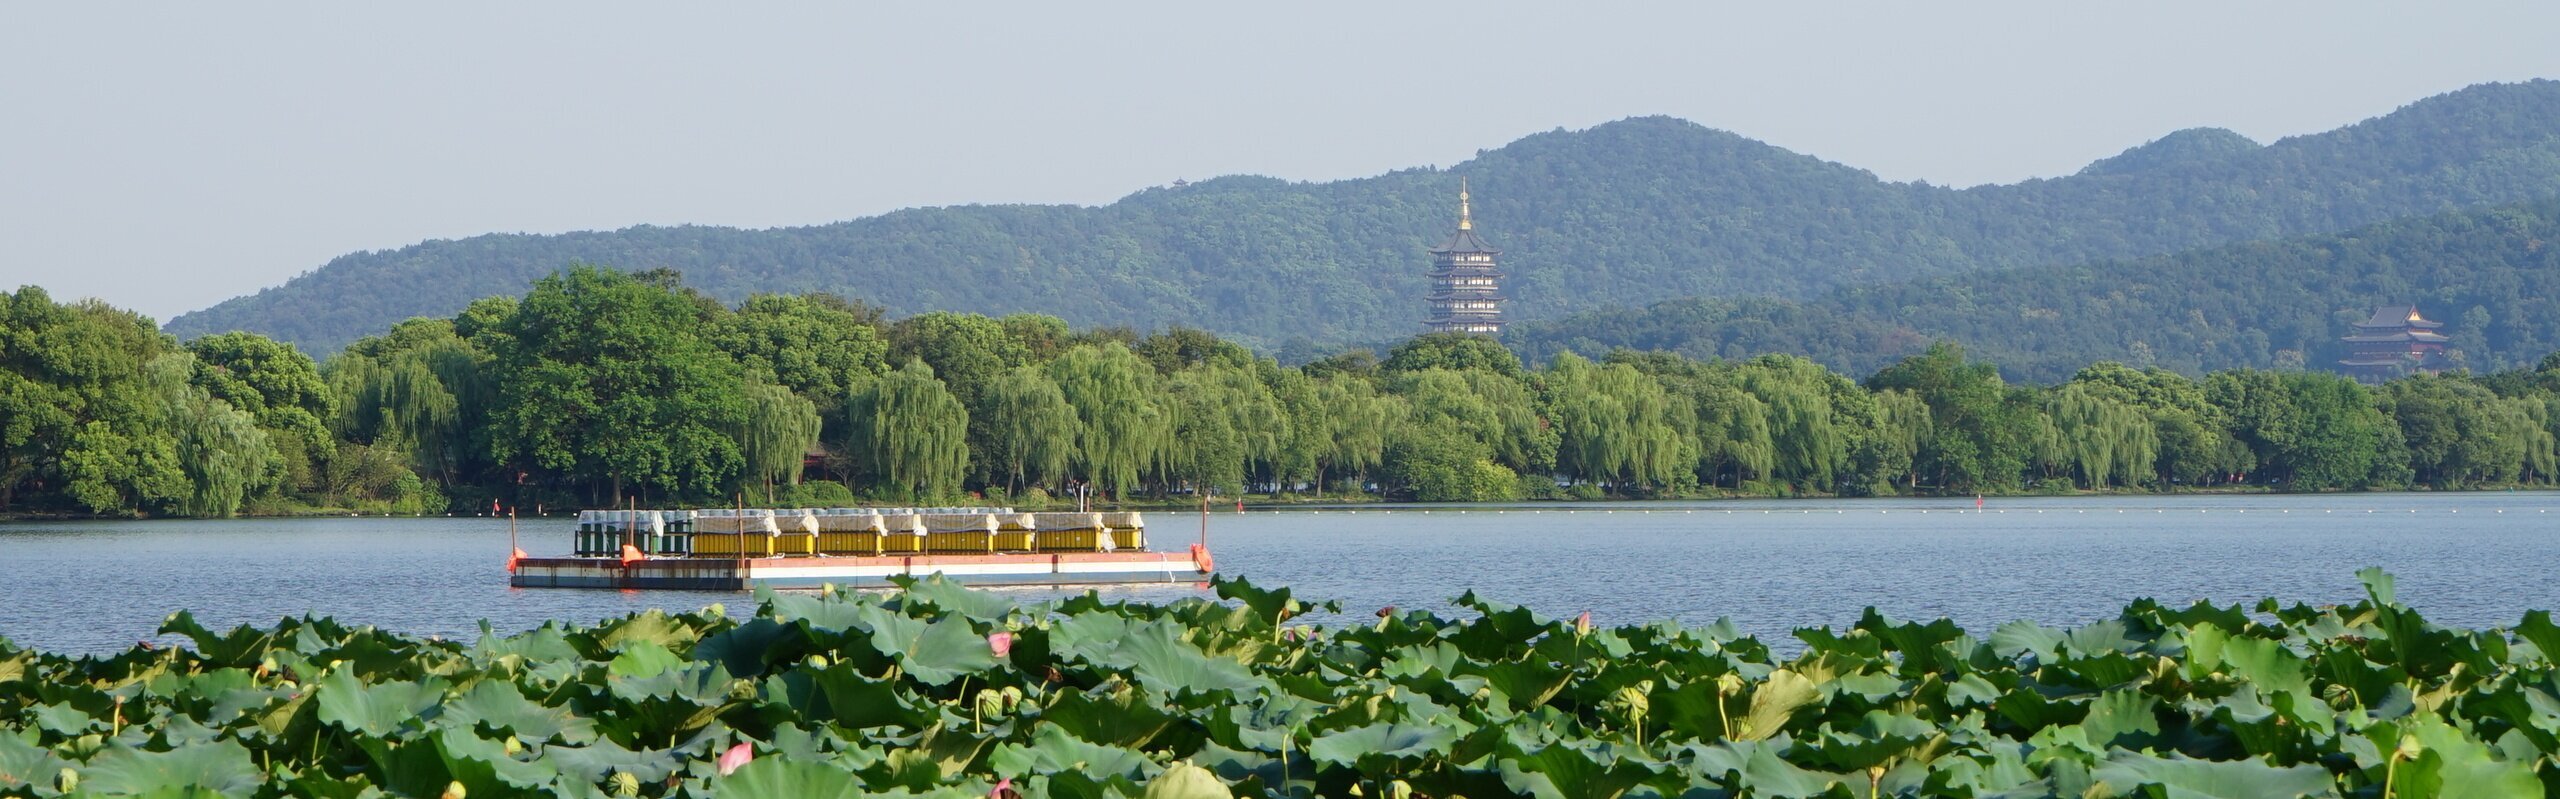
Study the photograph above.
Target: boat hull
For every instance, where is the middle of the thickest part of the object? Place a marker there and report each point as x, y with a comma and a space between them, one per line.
724, 574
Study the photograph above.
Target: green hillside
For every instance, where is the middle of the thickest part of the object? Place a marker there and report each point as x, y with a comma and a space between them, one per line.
1617, 216
2492, 275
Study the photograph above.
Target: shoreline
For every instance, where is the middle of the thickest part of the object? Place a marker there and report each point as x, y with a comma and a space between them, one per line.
1284, 502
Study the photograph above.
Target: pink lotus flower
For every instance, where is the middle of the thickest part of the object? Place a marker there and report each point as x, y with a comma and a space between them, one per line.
1582, 623
1001, 642
735, 757
1003, 789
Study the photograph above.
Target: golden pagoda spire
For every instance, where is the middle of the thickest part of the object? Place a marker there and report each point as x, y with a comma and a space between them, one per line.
1464, 222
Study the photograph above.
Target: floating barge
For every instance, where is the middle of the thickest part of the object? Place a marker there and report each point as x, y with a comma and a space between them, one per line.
730, 550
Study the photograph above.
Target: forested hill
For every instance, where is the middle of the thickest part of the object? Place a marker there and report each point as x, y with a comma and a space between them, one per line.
1617, 216
2492, 275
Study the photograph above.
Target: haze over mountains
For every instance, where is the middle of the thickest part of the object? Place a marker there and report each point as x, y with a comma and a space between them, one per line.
1621, 216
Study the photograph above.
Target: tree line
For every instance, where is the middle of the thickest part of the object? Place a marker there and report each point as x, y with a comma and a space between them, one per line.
601, 387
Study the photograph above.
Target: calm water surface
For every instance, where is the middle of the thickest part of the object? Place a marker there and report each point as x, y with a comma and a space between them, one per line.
2468, 559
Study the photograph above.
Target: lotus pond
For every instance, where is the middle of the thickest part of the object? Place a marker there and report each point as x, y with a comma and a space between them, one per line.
942, 691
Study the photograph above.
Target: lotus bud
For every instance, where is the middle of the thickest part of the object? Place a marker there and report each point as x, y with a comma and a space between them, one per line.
66, 780
2409, 748
267, 666
1399, 790
1582, 624
514, 747
1355, 790
1384, 612
1003, 790
817, 661
1012, 698
736, 756
1001, 642
625, 784
1290, 609
454, 790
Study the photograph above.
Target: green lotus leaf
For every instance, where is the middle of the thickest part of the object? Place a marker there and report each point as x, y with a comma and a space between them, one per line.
822, 611
23, 764
1186, 781
2379, 585
2122, 718
1053, 750
750, 648
859, 701
781, 778
643, 659
1397, 743
377, 710
1526, 684
940, 593
2022, 638
1159, 658
2183, 778
597, 761
499, 707
938, 653
2452, 765
1500, 631
542, 644
240, 647
1563, 771
1126, 719
64, 720
1878, 737
222, 768
1263, 604
484, 767
1773, 703
652, 626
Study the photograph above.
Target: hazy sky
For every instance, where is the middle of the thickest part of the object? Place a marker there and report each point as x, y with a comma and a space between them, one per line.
168, 158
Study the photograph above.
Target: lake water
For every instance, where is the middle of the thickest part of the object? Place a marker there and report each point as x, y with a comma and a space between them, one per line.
2478, 559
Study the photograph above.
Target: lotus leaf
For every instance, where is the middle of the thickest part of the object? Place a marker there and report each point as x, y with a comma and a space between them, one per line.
223, 769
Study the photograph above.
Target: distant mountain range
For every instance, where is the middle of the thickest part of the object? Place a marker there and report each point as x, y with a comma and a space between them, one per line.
1623, 215
2492, 275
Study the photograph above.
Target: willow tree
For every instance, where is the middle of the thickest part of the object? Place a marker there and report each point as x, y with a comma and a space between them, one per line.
1810, 448
225, 456
1902, 427
1732, 434
2104, 442
1349, 434
1120, 428
1206, 449
1618, 425
910, 431
776, 434
1033, 429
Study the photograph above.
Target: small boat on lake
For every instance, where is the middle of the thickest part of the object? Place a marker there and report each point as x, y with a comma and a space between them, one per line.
728, 550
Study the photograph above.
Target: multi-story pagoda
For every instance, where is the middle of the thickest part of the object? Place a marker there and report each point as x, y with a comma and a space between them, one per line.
2395, 342
1466, 288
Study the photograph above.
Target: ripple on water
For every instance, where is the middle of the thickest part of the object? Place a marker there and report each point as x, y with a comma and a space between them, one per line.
100, 586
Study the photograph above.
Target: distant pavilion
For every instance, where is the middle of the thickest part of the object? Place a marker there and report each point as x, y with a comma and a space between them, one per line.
2397, 341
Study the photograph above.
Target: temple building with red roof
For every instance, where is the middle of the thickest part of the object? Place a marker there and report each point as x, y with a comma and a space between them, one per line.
2396, 342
